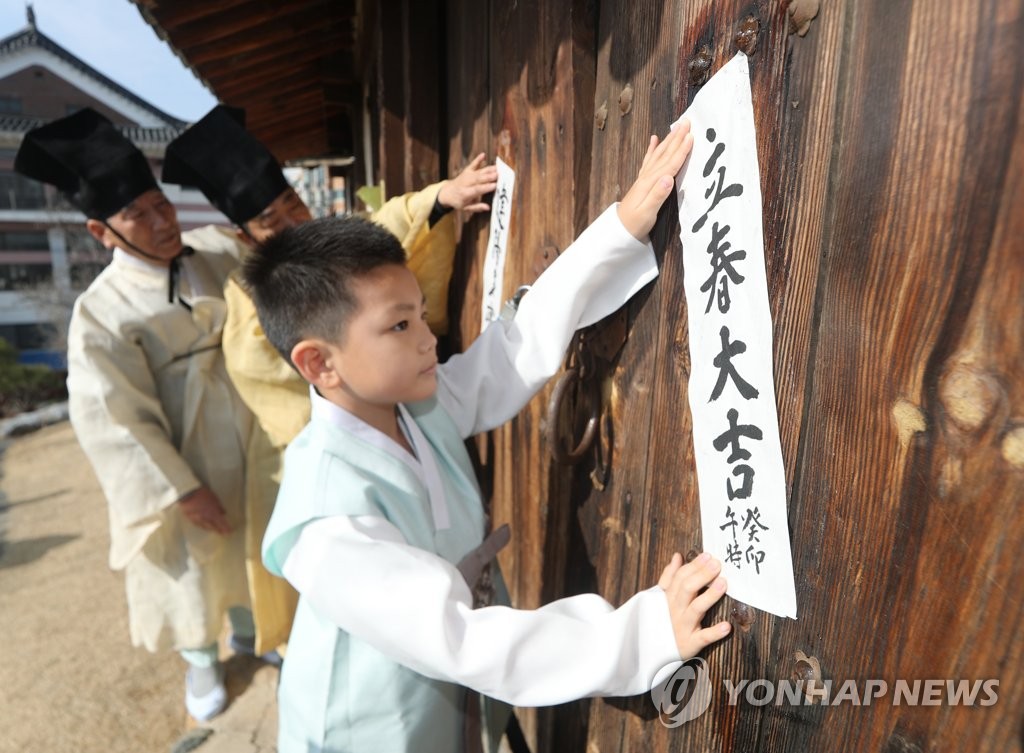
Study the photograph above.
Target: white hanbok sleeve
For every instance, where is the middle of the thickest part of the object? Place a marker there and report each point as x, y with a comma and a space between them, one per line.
504, 367
120, 423
415, 607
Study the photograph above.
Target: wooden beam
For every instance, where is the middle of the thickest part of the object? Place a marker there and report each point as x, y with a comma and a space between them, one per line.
302, 148
292, 114
228, 23
291, 117
288, 78
390, 55
310, 26
231, 21
283, 86
172, 14
222, 72
422, 30
325, 72
325, 40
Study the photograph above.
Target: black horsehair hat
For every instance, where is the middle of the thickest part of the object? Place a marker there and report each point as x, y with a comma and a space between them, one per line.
88, 160
234, 171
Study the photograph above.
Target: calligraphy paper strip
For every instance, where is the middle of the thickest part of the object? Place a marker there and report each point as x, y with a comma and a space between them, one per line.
740, 473
497, 244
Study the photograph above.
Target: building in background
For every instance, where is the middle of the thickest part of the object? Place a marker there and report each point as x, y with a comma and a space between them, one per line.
321, 184
46, 256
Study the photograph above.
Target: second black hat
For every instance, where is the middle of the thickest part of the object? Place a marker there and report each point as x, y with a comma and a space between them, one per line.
217, 155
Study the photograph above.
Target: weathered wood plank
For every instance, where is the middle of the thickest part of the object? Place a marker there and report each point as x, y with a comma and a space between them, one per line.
421, 21
672, 515
469, 133
391, 82
631, 68
913, 218
524, 108
895, 259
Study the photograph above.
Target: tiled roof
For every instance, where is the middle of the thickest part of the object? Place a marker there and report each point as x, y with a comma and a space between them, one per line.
137, 134
32, 37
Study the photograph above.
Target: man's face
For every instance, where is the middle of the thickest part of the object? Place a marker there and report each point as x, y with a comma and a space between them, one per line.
287, 210
149, 223
387, 354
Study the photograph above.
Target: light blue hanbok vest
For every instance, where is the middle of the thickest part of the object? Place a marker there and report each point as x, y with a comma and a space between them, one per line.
338, 693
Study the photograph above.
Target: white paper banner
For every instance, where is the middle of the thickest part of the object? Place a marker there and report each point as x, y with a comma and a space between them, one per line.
732, 393
497, 244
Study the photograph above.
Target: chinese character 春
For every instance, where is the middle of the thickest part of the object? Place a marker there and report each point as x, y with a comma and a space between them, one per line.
716, 286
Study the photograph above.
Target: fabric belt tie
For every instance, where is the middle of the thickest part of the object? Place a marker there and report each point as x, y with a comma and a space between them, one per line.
472, 567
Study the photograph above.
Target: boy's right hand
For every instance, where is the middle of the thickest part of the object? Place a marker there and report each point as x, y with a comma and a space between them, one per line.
687, 605
639, 207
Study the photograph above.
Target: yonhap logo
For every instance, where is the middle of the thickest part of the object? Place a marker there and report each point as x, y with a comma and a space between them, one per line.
685, 695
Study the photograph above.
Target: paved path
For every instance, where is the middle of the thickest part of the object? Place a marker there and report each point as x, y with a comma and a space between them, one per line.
69, 677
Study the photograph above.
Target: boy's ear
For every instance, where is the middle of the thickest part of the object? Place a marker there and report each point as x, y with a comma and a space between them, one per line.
312, 359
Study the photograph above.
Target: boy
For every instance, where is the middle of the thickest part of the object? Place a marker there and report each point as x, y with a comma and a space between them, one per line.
241, 177
379, 502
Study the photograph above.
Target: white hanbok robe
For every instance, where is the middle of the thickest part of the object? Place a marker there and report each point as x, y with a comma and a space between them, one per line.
155, 412
386, 638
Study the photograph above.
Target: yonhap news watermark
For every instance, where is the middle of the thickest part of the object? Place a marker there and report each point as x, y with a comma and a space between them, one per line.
688, 692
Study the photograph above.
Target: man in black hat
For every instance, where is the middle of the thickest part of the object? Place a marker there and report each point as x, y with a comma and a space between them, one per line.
150, 399
243, 179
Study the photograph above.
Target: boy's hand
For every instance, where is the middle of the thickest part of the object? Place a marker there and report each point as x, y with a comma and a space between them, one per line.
465, 190
687, 605
639, 207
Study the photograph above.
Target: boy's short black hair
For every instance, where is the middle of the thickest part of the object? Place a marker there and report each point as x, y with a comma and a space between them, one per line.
300, 278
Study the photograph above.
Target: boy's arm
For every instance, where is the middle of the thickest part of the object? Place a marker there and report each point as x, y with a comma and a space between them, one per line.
572, 648
597, 274
504, 367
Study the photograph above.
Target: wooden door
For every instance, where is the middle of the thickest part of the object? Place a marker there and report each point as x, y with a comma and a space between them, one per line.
891, 153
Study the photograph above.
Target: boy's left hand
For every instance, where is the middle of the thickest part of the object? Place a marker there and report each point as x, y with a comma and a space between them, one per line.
639, 207
465, 190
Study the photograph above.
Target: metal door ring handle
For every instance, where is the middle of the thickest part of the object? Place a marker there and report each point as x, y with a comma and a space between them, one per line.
562, 454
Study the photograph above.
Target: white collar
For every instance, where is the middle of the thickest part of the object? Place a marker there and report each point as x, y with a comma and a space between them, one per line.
423, 465
124, 258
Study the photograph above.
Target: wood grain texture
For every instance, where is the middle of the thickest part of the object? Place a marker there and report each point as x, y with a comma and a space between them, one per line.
891, 150
522, 105
392, 82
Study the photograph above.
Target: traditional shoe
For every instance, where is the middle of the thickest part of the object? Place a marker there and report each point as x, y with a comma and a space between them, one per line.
247, 645
205, 695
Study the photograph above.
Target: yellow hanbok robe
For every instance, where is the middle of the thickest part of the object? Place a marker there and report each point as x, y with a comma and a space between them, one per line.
279, 397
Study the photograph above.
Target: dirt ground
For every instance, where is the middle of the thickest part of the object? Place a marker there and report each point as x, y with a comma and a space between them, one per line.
71, 681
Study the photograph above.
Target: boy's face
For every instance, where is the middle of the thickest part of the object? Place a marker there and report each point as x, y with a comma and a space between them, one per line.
387, 353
